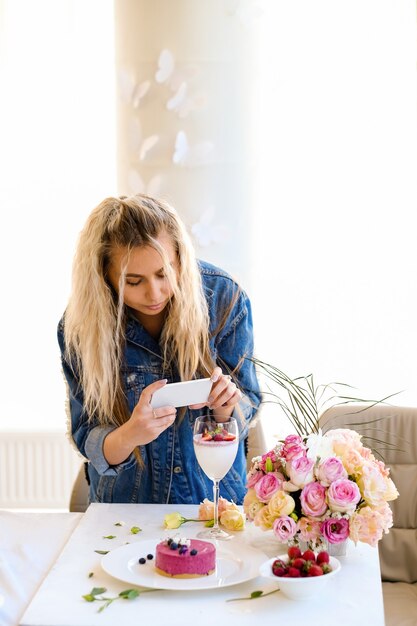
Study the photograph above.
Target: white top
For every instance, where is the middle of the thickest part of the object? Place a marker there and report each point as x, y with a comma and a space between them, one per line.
352, 598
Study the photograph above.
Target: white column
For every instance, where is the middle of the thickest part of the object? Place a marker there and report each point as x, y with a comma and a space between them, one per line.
186, 81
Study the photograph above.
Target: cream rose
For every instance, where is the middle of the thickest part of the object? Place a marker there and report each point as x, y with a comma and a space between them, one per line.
281, 504
232, 519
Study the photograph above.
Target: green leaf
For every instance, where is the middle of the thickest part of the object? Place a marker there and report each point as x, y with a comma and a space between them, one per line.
109, 536
209, 523
102, 551
90, 574
253, 596
135, 530
129, 594
97, 591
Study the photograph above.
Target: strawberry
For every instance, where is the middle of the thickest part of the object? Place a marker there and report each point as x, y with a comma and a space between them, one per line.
315, 570
309, 555
326, 568
294, 552
279, 568
298, 563
206, 437
229, 437
293, 572
322, 557
218, 437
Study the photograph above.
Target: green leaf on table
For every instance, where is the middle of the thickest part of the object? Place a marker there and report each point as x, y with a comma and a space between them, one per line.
129, 594
96, 591
135, 530
120, 524
90, 574
254, 595
209, 523
102, 551
109, 536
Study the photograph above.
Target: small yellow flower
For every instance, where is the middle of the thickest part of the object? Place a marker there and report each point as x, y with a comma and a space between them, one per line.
173, 520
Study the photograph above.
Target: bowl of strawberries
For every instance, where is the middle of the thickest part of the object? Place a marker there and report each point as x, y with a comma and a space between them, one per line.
301, 574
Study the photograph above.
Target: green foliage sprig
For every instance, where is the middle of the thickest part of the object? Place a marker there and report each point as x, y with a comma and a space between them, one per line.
95, 595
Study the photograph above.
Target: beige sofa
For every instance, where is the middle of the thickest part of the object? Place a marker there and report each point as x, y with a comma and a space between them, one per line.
397, 428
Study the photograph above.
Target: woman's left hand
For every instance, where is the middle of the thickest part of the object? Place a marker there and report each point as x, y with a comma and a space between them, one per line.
224, 393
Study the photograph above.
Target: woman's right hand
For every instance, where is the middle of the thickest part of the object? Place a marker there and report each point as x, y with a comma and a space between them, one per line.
144, 425
147, 423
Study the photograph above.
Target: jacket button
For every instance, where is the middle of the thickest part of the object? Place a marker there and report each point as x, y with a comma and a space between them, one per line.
177, 469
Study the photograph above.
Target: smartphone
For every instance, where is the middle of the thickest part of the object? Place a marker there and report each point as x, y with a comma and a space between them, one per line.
182, 394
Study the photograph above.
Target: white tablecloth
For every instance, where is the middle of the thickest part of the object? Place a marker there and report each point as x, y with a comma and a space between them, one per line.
352, 598
30, 543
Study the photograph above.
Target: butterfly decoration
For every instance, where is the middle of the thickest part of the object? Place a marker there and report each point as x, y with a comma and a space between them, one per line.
132, 92
136, 184
182, 103
187, 155
170, 74
139, 145
207, 230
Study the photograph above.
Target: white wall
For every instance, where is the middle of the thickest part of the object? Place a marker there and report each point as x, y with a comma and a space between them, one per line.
57, 156
333, 272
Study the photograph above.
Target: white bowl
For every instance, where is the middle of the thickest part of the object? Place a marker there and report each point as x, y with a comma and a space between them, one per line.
298, 588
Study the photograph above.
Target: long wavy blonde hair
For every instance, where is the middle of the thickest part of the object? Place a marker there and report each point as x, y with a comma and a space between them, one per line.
94, 321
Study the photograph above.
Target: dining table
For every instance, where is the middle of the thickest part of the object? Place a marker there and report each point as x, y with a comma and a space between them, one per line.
53, 563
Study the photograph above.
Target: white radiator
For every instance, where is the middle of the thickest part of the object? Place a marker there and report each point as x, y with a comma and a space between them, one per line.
37, 469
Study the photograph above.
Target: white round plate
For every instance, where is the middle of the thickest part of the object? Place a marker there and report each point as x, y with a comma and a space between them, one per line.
235, 563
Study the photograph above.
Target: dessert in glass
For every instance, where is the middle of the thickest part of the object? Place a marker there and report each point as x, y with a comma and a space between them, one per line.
215, 446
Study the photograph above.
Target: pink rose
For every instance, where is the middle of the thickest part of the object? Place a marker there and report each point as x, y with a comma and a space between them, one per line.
313, 500
335, 530
253, 477
284, 528
206, 508
268, 485
300, 471
330, 470
293, 447
343, 495
267, 461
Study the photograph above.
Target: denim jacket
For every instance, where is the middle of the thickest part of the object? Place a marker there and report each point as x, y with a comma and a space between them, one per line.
170, 472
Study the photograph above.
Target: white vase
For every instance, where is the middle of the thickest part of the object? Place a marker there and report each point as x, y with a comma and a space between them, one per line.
334, 549
337, 549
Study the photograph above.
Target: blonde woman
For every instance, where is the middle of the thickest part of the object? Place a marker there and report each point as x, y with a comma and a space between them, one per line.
143, 312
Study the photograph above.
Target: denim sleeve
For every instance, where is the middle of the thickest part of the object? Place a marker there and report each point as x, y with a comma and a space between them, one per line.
234, 346
86, 433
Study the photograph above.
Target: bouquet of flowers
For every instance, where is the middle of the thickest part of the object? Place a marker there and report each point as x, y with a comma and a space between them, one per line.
318, 488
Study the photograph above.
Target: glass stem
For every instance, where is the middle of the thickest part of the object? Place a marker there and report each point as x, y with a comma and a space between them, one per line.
216, 503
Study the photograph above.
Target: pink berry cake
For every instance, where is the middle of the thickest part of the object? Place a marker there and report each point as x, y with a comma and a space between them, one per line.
185, 558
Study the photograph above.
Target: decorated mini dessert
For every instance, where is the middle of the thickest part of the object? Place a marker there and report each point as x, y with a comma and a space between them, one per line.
185, 558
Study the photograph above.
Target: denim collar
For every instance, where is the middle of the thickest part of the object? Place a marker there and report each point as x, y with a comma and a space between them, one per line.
136, 333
